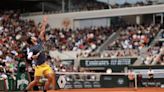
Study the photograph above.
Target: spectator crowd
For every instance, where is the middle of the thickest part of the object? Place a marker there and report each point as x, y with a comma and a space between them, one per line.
14, 31
135, 37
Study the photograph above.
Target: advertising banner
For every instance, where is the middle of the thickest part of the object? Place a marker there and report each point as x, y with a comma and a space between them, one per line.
112, 63
110, 81
75, 81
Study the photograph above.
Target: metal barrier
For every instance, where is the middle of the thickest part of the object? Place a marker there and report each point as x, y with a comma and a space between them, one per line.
3, 86
12, 84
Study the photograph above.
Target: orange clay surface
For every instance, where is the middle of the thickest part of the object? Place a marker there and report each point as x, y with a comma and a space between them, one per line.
109, 90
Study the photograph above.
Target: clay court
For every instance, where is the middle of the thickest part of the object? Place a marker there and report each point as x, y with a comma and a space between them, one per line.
112, 90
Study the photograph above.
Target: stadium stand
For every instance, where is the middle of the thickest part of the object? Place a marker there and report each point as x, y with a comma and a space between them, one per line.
79, 39
135, 37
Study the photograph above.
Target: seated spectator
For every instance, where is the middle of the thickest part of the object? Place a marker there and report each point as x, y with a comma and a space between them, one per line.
148, 60
139, 80
150, 76
131, 77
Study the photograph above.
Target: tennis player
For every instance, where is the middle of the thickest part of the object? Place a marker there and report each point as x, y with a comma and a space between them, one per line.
37, 54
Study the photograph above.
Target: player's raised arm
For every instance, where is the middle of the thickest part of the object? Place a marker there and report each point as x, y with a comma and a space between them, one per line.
43, 28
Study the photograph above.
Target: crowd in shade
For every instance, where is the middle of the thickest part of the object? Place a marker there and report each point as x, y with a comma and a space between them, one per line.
85, 5
132, 3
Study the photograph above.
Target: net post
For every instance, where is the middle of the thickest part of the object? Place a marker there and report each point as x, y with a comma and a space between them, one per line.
135, 74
